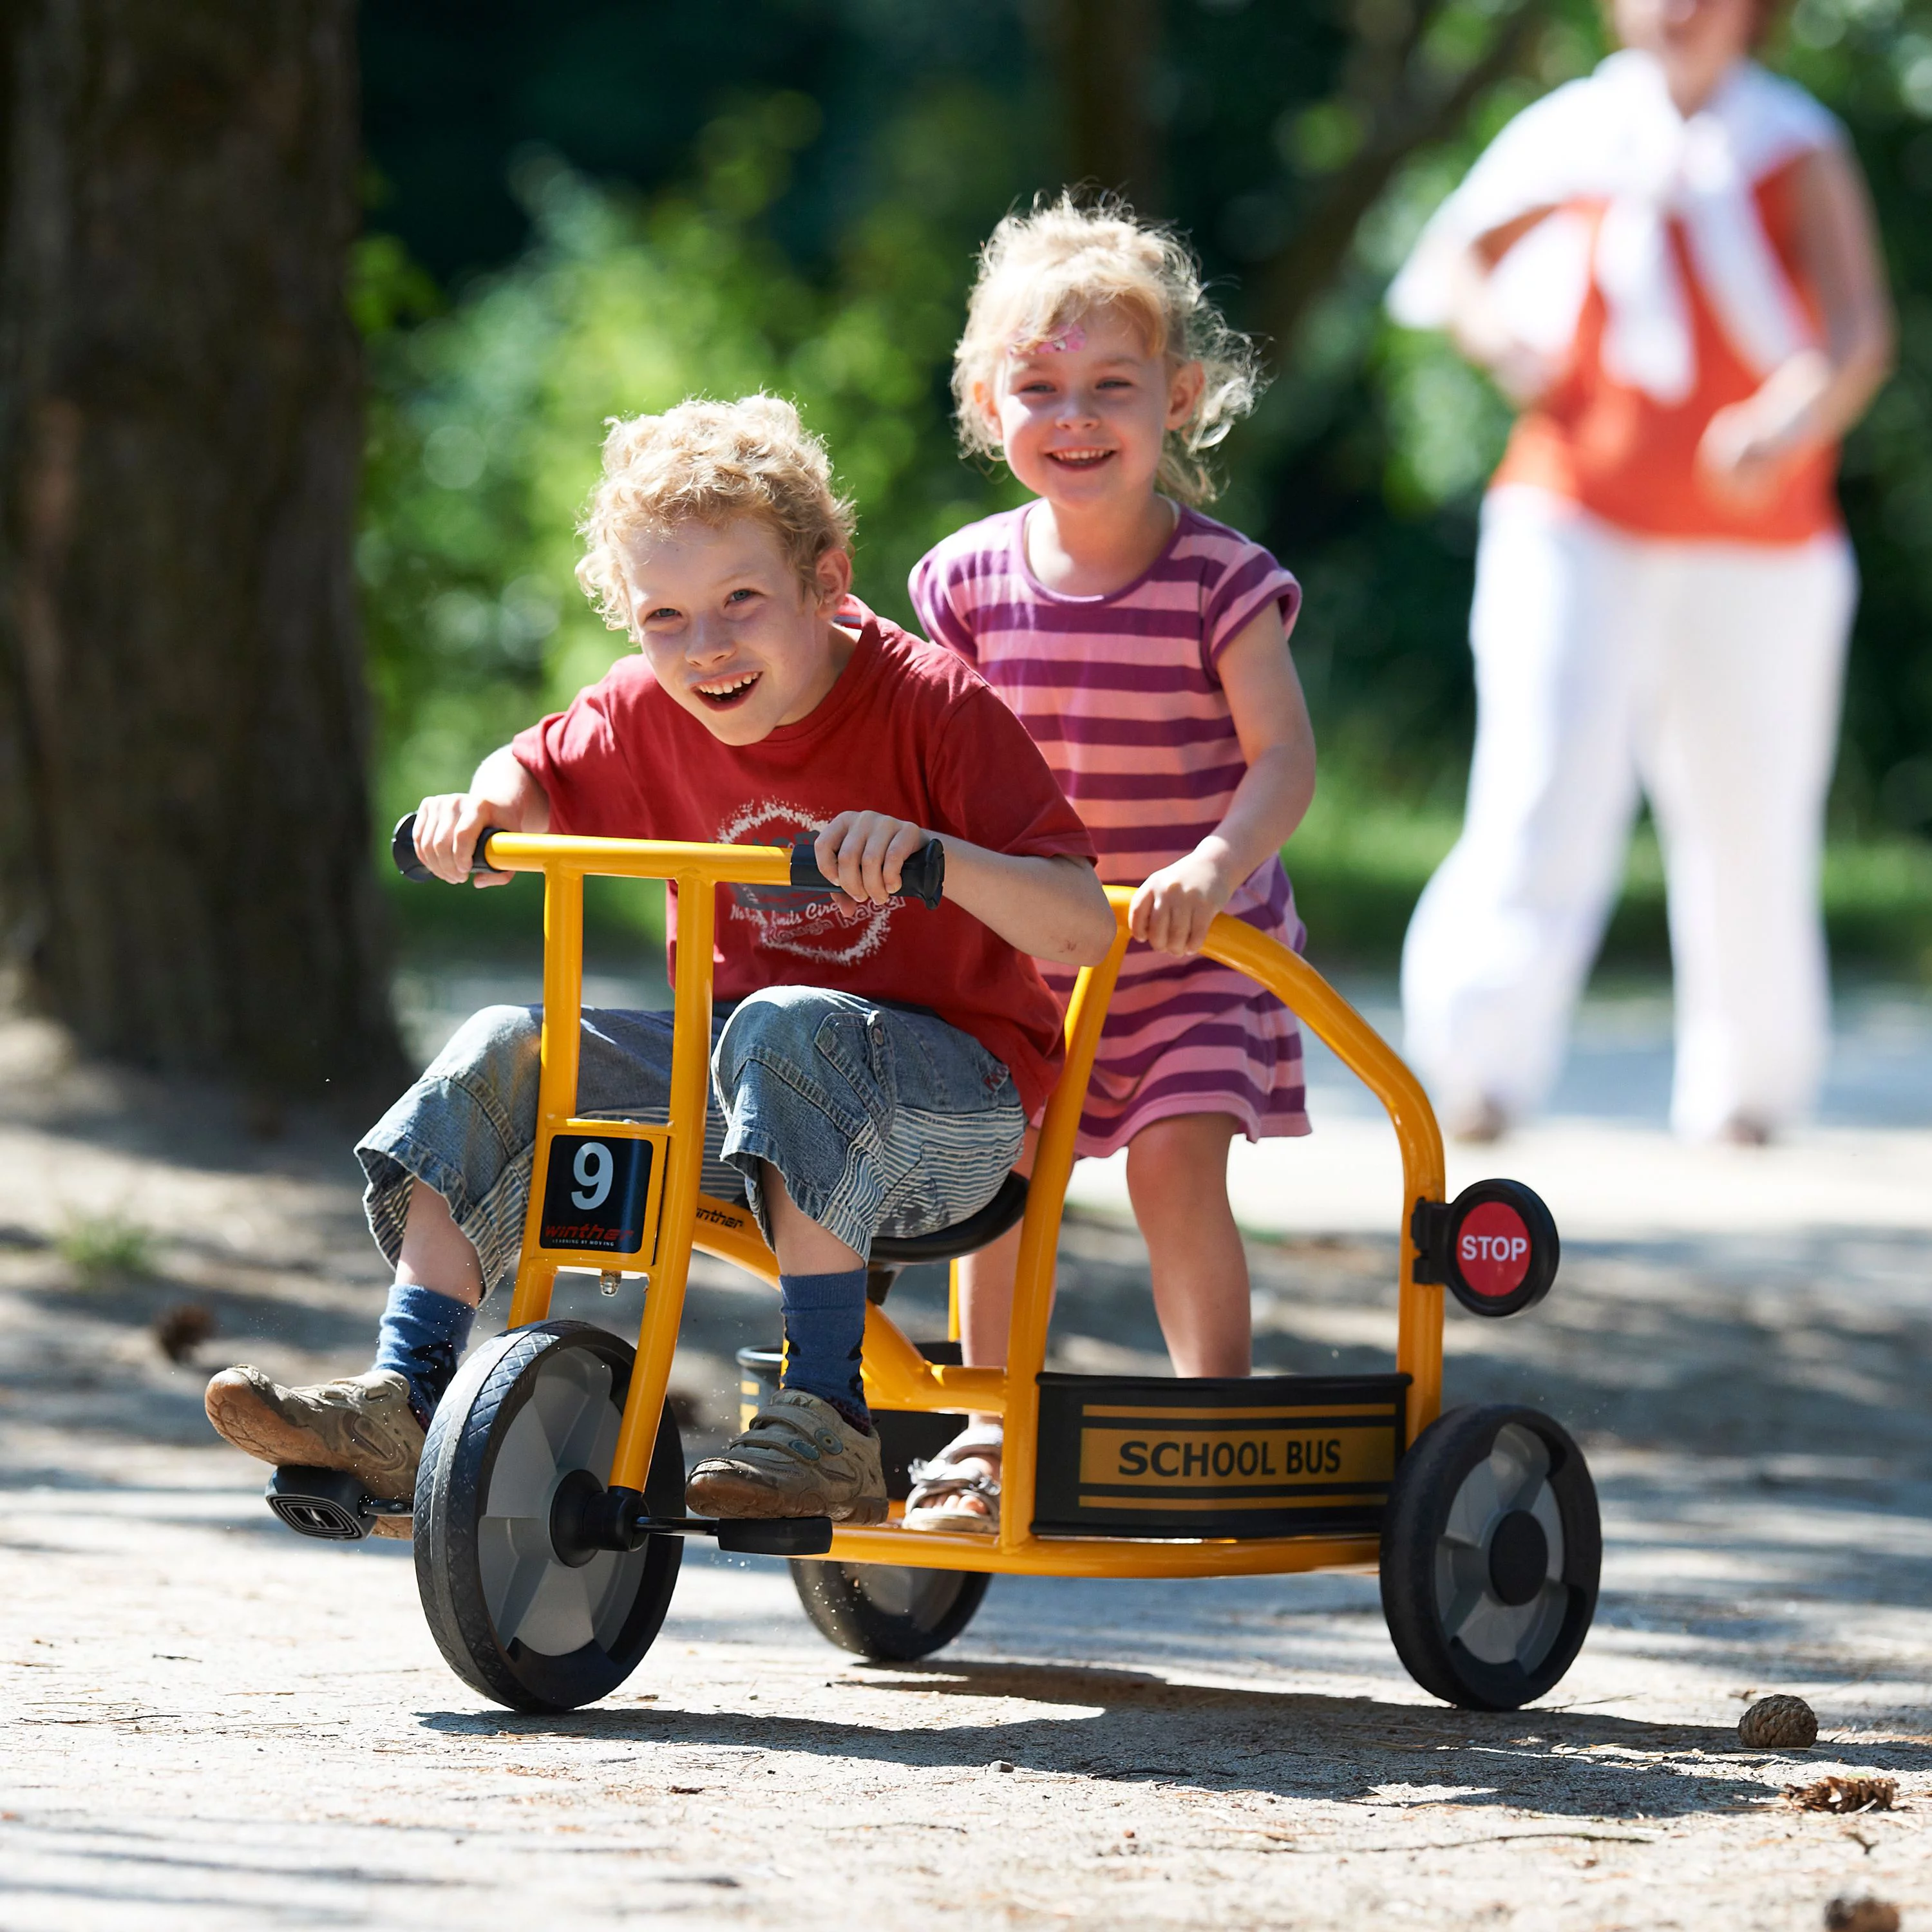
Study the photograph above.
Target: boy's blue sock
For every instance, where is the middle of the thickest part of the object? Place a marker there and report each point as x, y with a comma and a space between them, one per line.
423, 1336
824, 1331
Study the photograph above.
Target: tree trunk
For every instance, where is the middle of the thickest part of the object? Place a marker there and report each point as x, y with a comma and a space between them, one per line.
1104, 53
185, 872
1404, 110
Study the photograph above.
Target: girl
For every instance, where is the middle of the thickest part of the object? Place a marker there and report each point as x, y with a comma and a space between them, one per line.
1145, 648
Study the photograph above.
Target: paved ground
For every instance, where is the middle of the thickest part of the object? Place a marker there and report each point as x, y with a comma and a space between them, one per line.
211, 1724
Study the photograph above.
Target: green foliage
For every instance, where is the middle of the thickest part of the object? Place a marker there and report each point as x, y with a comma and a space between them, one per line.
487, 420
104, 1248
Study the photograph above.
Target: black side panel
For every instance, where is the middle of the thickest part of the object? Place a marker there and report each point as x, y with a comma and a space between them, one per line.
1253, 1456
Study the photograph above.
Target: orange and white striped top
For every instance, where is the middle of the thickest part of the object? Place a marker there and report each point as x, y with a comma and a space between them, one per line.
1656, 262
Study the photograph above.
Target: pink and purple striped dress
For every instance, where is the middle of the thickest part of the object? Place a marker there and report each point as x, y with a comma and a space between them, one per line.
1120, 693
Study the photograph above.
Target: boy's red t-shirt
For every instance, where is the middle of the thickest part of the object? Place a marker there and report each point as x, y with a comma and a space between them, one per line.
908, 729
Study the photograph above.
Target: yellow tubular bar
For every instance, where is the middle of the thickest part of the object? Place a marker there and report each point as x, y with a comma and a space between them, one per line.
1101, 1555
557, 1087
1419, 1328
1039, 1239
1418, 1349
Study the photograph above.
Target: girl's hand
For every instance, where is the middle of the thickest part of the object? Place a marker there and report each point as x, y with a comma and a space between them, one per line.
861, 853
1172, 912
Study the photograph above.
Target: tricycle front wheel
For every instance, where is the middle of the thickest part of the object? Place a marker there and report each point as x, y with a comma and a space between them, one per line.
1490, 1553
533, 1628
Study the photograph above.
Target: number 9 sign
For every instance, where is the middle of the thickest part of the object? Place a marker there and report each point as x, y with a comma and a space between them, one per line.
593, 1168
596, 1193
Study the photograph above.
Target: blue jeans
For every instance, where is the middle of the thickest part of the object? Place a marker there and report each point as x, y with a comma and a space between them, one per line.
880, 1119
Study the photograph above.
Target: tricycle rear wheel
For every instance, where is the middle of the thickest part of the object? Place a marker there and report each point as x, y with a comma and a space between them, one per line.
885, 1611
517, 1621
1490, 1553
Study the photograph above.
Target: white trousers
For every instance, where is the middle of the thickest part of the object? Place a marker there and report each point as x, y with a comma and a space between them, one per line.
1707, 674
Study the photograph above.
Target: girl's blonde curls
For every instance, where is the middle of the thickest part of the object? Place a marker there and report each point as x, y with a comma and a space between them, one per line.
1040, 271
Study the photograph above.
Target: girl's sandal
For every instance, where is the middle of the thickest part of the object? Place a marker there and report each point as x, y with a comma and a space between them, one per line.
942, 1493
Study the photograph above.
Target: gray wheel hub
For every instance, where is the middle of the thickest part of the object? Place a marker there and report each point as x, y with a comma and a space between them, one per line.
563, 1437
1499, 1587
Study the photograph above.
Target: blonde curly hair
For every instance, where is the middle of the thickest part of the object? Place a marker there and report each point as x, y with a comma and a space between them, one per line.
707, 463
1041, 272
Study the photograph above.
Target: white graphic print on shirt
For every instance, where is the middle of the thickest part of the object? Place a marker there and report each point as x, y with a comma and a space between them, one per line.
812, 923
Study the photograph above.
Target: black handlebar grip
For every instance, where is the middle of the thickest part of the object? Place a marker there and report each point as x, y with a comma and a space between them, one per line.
402, 850
922, 877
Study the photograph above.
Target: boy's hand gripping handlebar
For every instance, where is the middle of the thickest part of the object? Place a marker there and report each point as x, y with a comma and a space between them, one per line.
921, 877
402, 850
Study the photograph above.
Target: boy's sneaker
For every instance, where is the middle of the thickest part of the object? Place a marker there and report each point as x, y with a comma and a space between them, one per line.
799, 1457
362, 1424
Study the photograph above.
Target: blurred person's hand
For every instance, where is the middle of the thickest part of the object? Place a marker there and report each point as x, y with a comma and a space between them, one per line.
1524, 373
1811, 399
1746, 446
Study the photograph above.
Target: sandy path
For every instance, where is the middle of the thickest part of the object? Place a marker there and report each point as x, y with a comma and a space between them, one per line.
209, 1723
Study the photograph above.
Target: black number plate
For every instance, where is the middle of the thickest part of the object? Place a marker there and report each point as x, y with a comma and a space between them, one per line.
595, 1193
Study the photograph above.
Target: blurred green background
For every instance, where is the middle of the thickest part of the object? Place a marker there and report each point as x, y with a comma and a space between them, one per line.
586, 207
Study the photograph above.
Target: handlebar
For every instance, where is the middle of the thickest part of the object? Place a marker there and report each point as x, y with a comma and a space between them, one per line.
402, 850
921, 877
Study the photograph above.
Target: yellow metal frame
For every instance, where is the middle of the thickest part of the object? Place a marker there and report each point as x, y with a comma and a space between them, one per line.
897, 1376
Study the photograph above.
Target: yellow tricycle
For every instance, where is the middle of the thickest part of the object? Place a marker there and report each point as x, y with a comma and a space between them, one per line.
549, 1511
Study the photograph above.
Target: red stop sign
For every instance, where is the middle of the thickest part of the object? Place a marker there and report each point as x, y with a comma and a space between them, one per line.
1493, 1248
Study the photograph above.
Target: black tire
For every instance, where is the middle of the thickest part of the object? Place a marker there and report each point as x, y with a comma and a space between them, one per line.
1490, 1554
885, 1612
515, 1621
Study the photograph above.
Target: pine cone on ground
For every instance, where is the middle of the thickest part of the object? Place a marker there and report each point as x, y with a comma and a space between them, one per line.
1845, 1795
1861, 1915
1778, 1723
181, 1330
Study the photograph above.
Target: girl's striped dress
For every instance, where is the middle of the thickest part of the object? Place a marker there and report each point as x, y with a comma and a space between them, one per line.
1120, 693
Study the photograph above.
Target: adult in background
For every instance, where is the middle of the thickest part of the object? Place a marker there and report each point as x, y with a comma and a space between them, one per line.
1671, 266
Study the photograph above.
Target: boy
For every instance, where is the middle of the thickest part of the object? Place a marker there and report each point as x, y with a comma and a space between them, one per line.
874, 1064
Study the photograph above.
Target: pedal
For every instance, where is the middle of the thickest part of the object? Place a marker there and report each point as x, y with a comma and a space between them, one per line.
776, 1536
749, 1536
328, 1504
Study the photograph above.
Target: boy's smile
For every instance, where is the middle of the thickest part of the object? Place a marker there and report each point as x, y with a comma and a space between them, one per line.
728, 630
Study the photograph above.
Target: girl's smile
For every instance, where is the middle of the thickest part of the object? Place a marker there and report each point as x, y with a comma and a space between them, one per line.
1083, 417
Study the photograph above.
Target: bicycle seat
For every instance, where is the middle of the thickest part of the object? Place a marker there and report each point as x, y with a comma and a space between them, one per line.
977, 1231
